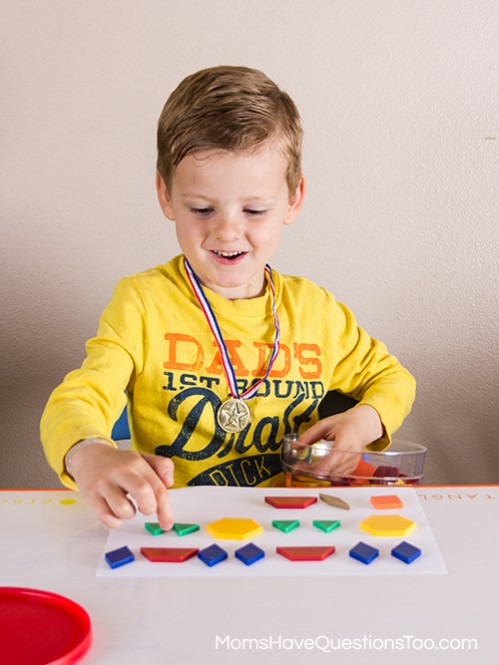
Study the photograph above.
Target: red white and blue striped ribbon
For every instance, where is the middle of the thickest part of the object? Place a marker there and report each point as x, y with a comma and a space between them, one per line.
217, 334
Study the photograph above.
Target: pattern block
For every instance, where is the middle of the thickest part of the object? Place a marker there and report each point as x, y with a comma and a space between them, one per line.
364, 553
119, 557
168, 554
387, 502
326, 525
291, 501
249, 554
212, 555
387, 525
306, 553
335, 501
234, 528
154, 528
406, 552
184, 529
286, 525
364, 470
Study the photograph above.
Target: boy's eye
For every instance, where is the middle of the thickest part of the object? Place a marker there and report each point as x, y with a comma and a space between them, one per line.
201, 211
205, 212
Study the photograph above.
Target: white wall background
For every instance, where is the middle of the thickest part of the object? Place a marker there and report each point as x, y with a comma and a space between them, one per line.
400, 103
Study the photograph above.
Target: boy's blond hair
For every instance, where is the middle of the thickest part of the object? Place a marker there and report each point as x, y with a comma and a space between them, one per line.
228, 108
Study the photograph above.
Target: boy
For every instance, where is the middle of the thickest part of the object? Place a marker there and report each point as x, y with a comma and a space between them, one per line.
219, 355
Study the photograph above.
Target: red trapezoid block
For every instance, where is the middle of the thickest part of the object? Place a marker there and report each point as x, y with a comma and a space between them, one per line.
168, 554
291, 501
306, 553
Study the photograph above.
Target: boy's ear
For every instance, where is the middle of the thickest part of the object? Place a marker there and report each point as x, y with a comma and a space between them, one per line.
164, 197
296, 202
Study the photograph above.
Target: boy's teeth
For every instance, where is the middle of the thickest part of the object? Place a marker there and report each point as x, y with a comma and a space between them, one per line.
227, 254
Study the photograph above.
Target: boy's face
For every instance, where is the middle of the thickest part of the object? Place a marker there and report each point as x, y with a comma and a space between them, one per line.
229, 209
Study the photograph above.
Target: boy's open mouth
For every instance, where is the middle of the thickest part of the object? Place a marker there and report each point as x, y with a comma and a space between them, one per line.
230, 256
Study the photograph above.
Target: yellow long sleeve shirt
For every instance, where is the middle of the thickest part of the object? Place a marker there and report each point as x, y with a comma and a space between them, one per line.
154, 343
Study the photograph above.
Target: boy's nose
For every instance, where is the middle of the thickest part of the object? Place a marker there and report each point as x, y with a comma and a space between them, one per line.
228, 229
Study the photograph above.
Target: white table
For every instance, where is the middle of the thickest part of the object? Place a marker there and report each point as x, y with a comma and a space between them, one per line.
54, 546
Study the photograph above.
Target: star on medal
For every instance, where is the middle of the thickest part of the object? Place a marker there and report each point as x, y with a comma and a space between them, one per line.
233, 415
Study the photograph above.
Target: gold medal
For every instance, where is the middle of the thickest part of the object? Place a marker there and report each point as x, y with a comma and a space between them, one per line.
233, 415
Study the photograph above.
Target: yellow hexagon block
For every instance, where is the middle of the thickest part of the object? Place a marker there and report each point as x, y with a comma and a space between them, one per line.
234, 528
387, 525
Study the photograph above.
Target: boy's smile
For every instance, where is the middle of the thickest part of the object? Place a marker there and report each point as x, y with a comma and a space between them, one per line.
229, 209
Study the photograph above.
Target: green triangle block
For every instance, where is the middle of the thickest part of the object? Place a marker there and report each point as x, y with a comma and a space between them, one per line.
286, 525
154, 528
326, 525
183, 529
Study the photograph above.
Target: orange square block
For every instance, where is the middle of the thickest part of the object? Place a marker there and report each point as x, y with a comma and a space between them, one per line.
386, 501
364, 469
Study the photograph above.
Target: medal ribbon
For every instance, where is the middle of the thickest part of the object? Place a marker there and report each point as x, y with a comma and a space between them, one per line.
217, 334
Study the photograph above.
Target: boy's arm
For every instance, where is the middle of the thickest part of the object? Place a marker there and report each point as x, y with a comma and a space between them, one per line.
365, 370
86, 406
90, 399
370, 374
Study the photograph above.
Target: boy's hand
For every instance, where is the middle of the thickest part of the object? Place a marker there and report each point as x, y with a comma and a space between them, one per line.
351, 431
106, 477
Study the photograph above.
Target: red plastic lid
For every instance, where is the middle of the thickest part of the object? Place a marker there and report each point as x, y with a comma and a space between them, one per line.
41, 628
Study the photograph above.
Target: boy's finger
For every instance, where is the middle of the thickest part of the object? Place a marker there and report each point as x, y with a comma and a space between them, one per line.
165, 515
315, 433
118, 503
151, 495
163, 466
104, 512
162, 504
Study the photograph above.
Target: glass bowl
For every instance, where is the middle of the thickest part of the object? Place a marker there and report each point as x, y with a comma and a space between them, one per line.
323, 465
